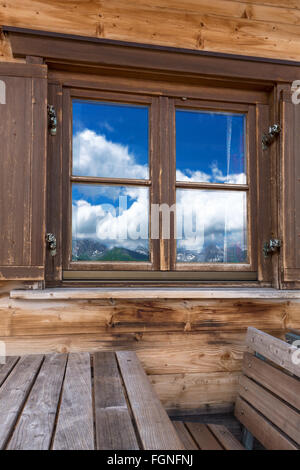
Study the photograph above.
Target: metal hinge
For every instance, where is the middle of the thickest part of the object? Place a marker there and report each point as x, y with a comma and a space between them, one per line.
51, 241
52, 120
271, 247
267, 139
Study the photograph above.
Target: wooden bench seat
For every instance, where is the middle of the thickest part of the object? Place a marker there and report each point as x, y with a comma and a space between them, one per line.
268, 402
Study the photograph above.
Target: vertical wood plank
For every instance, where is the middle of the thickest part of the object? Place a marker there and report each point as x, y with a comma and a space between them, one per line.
14, 392
75, 427
5, 369
155, 427
35, 425
114, 428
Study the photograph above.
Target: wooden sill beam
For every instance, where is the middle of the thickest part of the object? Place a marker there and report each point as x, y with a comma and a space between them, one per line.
150, 293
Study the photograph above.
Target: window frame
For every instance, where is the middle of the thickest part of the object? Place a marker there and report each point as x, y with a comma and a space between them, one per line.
162, 160
69, 178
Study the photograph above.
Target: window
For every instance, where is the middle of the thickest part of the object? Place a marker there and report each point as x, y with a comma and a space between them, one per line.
160, 185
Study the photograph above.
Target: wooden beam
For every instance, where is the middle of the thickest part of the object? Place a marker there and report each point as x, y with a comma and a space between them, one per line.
277, 351
61, 47
155, 428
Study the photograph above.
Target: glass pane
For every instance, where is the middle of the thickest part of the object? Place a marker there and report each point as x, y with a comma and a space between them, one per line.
211, 226
110, 223
110, 140
210, 147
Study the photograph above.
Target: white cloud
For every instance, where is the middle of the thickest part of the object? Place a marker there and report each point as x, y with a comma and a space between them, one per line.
94, 155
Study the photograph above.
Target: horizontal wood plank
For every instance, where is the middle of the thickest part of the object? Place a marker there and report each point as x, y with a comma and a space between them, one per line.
278, 382
276, 411
277, 351
269, 436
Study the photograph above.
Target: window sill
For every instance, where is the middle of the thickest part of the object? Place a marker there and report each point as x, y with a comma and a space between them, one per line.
151, 293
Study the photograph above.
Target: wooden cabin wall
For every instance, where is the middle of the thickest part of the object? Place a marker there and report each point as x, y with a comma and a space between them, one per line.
268, 28
191, 349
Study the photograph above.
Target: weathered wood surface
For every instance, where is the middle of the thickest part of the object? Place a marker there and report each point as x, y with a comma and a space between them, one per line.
184, 344
279, 352
279, 413
13, 393
253, 27
200, 436
226, 439
35, 425
74, 430
147, 293
79, 402
269, 436
268, 395
114, 428
280, 384
153, 424
203, 436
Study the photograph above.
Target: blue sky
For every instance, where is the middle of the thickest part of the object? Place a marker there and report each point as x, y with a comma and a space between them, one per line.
202, 142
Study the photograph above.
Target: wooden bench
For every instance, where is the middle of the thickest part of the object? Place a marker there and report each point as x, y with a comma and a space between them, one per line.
268, 402
81, 402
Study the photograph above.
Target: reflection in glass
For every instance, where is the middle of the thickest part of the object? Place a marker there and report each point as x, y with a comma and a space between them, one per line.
211, 226
210, 147
110, 223
110, 140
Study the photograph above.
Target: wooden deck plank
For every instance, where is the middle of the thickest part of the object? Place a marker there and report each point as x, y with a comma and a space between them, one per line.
273, 349
114, 427
35, 426
155, 428
263, 430
202, 435
276, 411
185, 436
13, 393
226, 439
6, 368
275, 380
75, 427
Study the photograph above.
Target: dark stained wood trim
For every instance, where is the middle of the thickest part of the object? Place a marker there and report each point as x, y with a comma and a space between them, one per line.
22, 273
86, 50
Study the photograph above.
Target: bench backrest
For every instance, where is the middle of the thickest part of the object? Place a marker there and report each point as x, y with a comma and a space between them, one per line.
268, 403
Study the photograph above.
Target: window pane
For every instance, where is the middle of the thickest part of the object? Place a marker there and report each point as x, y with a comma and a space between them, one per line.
110, 140
211, 226
110, 223
210, 147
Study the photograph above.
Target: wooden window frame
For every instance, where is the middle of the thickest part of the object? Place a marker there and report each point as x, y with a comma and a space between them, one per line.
114, 66
162, 160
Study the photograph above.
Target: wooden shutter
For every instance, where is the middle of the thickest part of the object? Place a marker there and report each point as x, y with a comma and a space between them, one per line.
290, 190
23, 130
